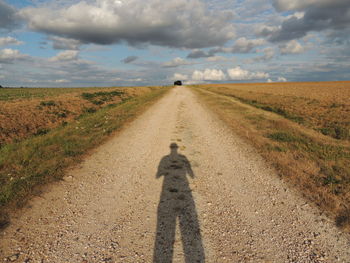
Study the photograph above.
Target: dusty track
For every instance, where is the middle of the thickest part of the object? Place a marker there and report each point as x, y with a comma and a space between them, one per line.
107, 209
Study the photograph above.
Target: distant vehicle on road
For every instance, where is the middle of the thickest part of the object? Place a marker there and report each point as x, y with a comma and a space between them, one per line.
178, 83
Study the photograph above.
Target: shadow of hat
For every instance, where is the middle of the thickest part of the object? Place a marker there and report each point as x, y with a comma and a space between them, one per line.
173, 145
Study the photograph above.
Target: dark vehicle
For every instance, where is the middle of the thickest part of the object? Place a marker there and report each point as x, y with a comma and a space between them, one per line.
178, 83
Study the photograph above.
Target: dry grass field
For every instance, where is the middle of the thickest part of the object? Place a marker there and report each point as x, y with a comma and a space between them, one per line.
48, 130
323, 106
35, 111
300, 128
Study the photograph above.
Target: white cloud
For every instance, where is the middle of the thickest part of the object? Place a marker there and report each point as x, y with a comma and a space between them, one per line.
219, 59
8, 55
279, 79
5, 41
209, 75
135, 80
291, 47
62, 81
179, 76
238, 73
312, 15
64, 43
241, 45
268, 54
265, 30
244, 45
67, 55
172, 23
282, 79
176, 62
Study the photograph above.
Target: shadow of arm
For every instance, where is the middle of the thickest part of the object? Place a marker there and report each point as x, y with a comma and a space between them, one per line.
189, 168
161, 170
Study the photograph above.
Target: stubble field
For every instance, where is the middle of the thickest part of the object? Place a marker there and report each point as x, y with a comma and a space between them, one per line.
303, 129
322, 106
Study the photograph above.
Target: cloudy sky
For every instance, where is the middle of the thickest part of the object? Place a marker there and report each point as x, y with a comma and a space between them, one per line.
154, 42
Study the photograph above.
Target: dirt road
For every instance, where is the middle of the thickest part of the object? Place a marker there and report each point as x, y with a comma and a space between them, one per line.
208, 198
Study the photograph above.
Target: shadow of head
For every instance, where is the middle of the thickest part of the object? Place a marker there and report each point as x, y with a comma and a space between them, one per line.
174, 147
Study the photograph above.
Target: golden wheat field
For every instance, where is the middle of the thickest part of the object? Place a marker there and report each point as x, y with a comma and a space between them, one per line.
322, 106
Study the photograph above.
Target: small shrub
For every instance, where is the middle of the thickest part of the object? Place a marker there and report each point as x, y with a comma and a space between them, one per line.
325, 131
102, 95
333, 174
62, 114
48, 103
279, 149
275, 148
337, 132
335, 105
97, 102
282, 137
87, 96
42, 131
90, 110
341, 133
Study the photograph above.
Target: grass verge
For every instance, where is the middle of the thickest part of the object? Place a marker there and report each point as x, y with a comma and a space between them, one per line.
319, 166
43, 159
319, 106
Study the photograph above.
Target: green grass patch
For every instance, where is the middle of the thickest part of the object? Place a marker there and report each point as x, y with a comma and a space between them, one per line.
89, 110
101, 97
336, 131
284, 137
9, 94
41, 159
270, 108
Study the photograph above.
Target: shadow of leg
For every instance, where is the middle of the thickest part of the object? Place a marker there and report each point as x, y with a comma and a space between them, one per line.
166, 224
190, 234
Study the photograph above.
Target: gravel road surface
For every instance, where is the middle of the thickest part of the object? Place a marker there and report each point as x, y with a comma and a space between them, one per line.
208, 198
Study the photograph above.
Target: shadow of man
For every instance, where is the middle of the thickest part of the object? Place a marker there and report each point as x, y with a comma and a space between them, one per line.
176, 202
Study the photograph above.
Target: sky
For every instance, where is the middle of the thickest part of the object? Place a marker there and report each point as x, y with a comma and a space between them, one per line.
79, 43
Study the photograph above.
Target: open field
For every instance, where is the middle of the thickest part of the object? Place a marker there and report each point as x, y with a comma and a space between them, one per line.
322, 106
8, 94
29, 112
285, 121
210, 197
90, 116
